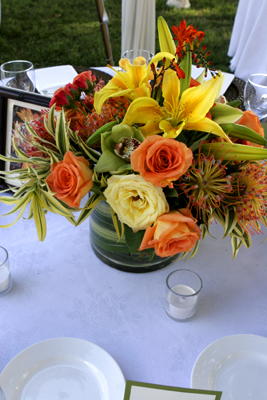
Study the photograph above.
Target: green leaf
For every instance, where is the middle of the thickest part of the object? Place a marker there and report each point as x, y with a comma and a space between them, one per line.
244, 133
62, 139
118, 225
89, 207
194, 251
234, 152
234, 103
51, 120
170, 193
186, 66
236, 244
91, 153
39, 218
96, 136
230, 221
224, 114
264, 125
133, 239
51, 203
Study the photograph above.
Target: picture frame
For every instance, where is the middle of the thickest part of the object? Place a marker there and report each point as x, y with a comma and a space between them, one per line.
12, 102
147, 391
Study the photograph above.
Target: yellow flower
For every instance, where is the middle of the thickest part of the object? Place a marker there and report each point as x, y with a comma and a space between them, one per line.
131, 84
185, 112
136, 202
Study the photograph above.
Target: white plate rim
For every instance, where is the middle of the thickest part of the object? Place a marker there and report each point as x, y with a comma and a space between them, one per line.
67, 341
242, 339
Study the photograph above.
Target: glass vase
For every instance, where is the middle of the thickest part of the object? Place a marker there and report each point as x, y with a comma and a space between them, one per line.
114, 252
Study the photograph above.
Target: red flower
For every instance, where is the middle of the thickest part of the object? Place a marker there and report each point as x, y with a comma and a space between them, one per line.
194, 83
179, 71
186, 34
81, 79
60, 97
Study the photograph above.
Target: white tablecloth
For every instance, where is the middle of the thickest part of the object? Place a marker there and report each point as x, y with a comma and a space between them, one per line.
60, 289
248, 46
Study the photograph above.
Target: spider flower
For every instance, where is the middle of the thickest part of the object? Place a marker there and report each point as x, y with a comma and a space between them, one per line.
205, 185
251, 199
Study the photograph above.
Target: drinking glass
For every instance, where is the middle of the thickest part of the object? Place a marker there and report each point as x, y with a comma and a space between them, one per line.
132, 54
18, 74
255, 95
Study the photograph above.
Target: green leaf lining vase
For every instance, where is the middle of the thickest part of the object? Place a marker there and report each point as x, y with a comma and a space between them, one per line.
114, 252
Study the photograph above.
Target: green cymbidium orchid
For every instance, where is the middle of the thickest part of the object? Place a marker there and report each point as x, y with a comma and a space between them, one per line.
187, 112
116, 146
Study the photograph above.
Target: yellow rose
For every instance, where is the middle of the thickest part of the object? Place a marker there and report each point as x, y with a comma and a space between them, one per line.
136, 202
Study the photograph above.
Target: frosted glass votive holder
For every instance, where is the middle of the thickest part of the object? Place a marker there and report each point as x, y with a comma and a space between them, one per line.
182, 294
5, 274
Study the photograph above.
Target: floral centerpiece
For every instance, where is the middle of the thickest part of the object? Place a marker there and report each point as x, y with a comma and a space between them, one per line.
164, 152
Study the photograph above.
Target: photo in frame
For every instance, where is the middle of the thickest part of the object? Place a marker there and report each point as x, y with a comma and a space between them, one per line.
147, 391
15, 106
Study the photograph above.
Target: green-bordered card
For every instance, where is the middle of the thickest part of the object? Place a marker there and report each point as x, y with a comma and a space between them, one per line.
147, 391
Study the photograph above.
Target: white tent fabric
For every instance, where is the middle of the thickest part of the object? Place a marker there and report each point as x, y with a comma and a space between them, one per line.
248, 46
138, 25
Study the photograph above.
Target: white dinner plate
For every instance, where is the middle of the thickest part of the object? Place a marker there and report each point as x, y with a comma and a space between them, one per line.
63, 368
235, 365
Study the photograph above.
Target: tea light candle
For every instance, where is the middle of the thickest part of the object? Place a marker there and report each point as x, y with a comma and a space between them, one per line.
183, 305
4, 277
182, 294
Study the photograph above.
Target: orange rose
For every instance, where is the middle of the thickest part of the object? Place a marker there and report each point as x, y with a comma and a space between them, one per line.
250, 120
70, 179
161, 161
172, 233
83, 79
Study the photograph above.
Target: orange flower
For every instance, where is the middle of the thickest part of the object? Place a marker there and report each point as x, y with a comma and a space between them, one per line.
70, 179
161, 161
186, 34
83, 79
62, 95
250, 120
172, 233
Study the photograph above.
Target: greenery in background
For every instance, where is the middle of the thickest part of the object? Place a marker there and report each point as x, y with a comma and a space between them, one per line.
58, 32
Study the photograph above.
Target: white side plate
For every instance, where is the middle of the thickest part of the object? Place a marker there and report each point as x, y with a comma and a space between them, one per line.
63, 368
235, 365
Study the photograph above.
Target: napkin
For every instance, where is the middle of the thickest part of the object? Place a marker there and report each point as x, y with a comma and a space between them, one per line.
48, 80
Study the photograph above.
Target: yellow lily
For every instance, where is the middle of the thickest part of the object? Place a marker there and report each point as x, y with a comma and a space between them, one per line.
185, 113
131, 84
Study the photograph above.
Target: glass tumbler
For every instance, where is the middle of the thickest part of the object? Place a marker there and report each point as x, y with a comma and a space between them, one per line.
132, 54
18, 74
255, 95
